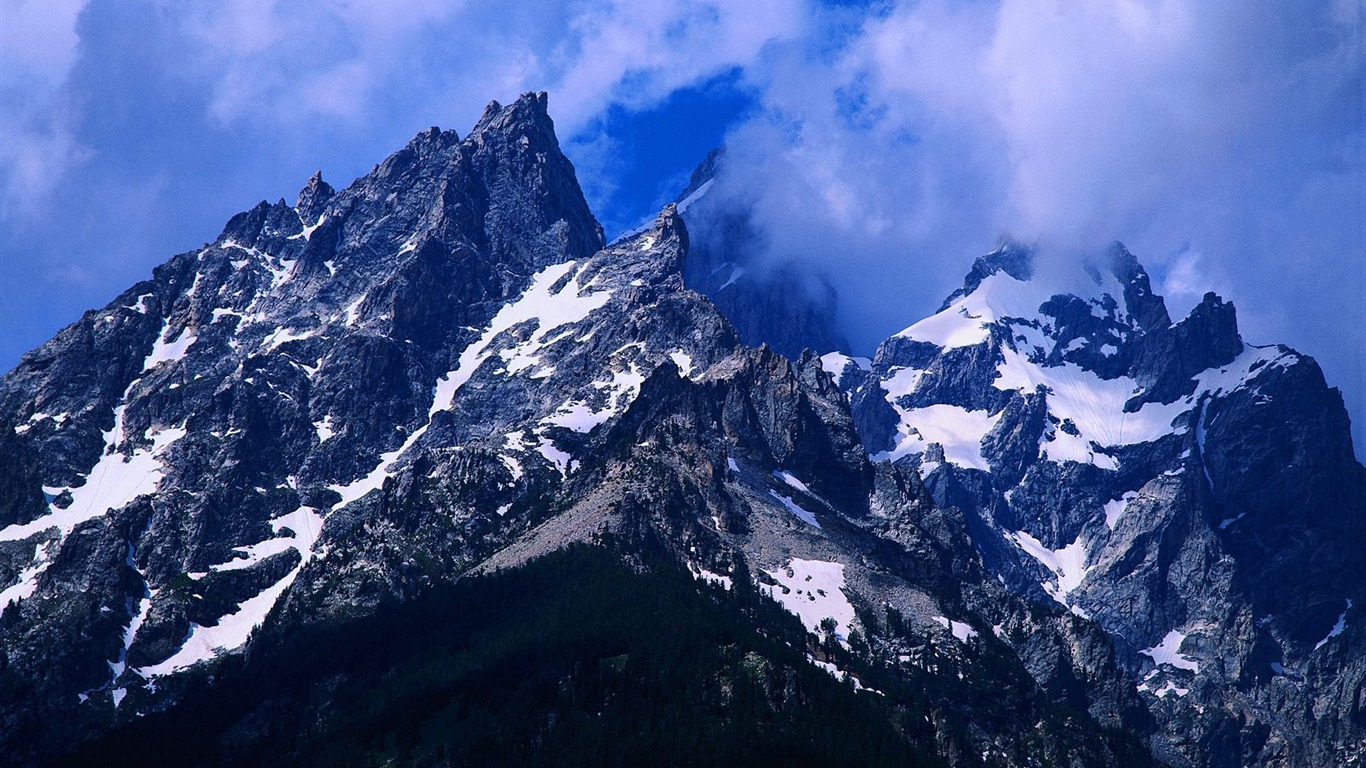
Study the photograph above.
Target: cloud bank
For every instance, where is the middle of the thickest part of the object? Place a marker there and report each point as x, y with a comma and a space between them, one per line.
885, 145
1223, 144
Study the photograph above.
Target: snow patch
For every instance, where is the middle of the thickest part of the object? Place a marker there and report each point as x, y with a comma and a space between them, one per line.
558, 458
1168, 688
281, 271
226, 244
351, 312
232, 630
699, 572
549, 309
324, 429
813, 590
283, 335
1114, 509
309, 229
956, 326
1168, 652
684, 362
1094, 406
835, 363
141, 306
960, 630
697, 194
902, 382
791, 479
27, 580
374, 479
112, 483
135, 623
1337, 628
795, 508
167, 351
230, 633
957, 430
842, 675
1068, 564
621, 391
305, 523
578, 416
515, 441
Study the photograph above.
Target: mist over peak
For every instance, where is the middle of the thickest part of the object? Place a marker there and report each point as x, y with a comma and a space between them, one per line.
885, 146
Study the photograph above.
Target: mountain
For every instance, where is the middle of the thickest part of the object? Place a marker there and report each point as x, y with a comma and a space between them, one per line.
422, 469
1196, 496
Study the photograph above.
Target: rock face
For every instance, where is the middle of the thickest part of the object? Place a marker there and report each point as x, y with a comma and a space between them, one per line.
1055, 509
191, 436
1193, 495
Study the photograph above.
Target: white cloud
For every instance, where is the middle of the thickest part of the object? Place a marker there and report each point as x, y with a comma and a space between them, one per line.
1224, 144
40, 40
341, 58
635, 53
1081, 87
302, 61
40, 47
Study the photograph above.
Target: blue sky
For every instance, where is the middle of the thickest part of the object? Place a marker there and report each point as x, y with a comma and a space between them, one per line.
885, 144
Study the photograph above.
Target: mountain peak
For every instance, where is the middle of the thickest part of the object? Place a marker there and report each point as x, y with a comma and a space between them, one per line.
670, 225
702, 174
529, 112
313, 198
1011, 257
1147, 308
1113, 271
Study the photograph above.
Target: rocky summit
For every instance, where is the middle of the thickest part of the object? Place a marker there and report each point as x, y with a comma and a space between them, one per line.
425, 472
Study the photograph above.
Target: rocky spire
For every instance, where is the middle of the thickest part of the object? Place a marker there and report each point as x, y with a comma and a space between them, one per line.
515, 150
313, 198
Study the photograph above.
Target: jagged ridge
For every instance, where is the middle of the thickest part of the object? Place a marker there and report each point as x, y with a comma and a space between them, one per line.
440, 371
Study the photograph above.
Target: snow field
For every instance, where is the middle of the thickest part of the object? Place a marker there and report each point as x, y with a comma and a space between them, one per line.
1169, 652
814, 591
1068, 564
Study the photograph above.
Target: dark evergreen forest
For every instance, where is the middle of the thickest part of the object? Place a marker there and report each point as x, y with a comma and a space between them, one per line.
576, 659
